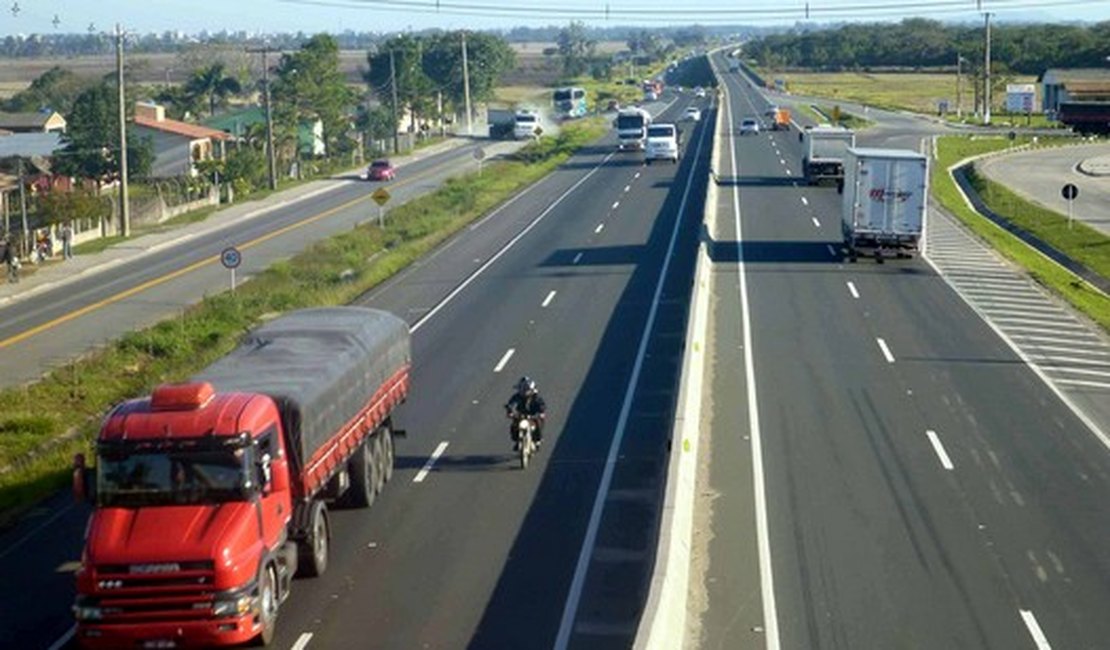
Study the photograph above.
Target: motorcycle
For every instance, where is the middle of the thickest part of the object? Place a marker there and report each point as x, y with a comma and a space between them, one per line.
526, 445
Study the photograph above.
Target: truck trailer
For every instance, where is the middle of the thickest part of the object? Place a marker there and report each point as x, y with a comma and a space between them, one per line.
886, 197
210, 495
823, 149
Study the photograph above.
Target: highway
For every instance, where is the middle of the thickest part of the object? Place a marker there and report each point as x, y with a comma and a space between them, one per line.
582, 282
886, 471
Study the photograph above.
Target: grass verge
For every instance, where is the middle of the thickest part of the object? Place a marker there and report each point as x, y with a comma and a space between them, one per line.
44, 423
951, 150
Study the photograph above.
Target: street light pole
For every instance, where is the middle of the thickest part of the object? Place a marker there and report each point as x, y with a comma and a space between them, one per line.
466, 87
987, 71
124, 207
959, 62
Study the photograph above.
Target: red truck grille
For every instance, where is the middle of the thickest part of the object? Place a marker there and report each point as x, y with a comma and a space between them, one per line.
155, 592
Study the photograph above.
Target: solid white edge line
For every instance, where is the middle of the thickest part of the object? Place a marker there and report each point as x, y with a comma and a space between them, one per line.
64, 639
1083, 417
938, 447
504, 249
548, 299
763, 537
423, 473
852, 289
1035, 630
302, 641
570, 609
886, 350
504, 359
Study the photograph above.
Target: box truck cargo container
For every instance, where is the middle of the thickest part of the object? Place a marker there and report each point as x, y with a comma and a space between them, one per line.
885, 199
823, 149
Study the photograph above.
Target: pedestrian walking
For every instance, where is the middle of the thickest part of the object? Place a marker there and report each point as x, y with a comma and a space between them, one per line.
10, 259
67, 241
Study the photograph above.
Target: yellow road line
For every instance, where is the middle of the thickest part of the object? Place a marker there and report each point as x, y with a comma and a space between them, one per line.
123, 295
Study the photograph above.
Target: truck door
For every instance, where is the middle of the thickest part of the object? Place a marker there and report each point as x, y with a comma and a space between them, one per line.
275, 504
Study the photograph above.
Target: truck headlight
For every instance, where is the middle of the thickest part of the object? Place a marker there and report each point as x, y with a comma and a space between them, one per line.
233, 606
87, 613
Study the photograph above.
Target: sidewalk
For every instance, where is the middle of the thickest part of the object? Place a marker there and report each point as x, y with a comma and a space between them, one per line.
58, 272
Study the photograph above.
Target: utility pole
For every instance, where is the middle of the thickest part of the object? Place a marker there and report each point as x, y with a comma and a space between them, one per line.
987, 71
466, 87
23, 209
270, 154
393, 87
959, 62
124, 206
439, 112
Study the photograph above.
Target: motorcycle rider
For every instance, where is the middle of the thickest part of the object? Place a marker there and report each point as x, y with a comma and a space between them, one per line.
526, 402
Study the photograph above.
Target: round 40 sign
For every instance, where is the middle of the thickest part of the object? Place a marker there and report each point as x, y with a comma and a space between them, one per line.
231, 257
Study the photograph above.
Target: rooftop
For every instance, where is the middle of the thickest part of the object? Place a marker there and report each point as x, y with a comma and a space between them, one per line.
177, 127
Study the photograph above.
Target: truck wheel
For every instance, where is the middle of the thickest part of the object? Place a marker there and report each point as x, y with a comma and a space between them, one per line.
377, 452
387, 446
267, 607
363, 469
314, 550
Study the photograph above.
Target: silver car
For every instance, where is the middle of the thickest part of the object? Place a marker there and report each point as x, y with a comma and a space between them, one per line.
749, 125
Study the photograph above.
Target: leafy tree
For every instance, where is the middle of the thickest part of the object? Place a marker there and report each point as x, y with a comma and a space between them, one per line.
309, 86
576, 48
488, 57
178, 101
55, 89
92, 139
415, 90
58, 206
212, 84
377, 123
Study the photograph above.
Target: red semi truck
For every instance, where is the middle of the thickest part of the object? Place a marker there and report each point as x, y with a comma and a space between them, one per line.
210, 495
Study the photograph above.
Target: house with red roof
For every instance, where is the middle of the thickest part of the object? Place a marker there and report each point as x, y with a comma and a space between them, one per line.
178, 145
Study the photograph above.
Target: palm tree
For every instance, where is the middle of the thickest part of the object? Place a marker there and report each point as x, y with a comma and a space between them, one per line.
212, 83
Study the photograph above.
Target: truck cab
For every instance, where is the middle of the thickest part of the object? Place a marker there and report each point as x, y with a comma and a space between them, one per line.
632, 125
188, 538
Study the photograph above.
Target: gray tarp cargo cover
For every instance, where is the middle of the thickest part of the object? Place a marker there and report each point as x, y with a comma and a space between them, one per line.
319, 365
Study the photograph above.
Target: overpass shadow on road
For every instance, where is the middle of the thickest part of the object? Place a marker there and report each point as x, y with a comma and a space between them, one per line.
527, 603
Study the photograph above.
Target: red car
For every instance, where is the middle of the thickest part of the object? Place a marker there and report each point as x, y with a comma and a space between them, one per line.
381, 170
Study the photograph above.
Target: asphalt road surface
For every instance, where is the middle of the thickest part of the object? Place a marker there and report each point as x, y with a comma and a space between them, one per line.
581, 282
1044, 172
914, 483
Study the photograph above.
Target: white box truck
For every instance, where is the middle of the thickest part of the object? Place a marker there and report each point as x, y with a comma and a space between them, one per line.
823, 149
886, 196
632, 125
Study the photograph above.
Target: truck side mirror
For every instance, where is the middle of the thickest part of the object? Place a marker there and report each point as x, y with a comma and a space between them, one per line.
81, 488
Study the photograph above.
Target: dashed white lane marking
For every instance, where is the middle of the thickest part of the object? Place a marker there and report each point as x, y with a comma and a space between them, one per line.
548, 299
886, 351
1035, 630
577, 258
783, 161
852, 289
637, 175
302, 641
599, 228
504, 360
64, 639
627, 187
805, 201
616, 204
816, 223
945, 461
789, 173
423, 473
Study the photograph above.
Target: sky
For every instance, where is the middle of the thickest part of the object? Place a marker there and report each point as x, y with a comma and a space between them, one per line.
191, 16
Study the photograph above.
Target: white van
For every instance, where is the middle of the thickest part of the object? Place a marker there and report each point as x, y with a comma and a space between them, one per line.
662, 143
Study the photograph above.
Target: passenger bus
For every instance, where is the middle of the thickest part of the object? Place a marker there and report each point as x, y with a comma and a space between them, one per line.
569, 102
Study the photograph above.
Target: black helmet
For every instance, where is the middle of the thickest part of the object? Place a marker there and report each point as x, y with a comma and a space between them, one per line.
525, 386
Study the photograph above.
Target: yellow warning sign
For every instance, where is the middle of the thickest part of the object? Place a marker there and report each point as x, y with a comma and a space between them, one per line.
381, 196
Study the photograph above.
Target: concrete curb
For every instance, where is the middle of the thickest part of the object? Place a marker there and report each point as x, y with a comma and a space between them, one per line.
663, 623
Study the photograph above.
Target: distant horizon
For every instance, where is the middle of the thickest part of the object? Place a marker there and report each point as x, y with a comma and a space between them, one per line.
191, 18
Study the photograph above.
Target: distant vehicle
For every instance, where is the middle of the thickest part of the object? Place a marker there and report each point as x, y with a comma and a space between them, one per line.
771, 110
885, 198
699, 92
381, 170
693, 114
780, 120
569, 103
1085, 117
662, 143
208, 496
651, 96
823, 151
749, 125
632, 125
527, 125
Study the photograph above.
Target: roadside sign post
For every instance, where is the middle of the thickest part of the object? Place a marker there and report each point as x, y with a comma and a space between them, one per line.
479, 155
381, 196
1069, 192
231, 258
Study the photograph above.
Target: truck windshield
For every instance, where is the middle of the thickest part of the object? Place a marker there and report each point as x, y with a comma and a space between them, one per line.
562, 95
630, 122
177, 478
